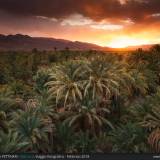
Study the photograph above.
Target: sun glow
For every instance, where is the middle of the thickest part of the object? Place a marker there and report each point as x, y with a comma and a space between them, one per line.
123, 42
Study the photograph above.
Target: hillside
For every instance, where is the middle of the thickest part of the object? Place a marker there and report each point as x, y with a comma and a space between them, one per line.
27, 43
24, 42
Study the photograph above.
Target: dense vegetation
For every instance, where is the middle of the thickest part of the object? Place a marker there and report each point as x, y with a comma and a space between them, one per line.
78, 102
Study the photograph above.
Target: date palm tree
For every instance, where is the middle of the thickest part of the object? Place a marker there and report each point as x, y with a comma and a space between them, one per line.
3, 121
143, 78
11, 142
64, 138
152, 122
7, 106
148, 115
104, 78
84, 143
32, 128
65, 83
86, 115
128, 138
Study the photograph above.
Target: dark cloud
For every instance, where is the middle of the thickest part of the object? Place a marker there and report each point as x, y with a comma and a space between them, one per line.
137, 10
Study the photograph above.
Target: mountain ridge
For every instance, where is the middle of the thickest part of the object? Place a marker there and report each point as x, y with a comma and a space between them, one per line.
25, 42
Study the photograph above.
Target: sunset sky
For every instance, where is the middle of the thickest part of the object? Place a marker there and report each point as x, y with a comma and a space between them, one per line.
113, 23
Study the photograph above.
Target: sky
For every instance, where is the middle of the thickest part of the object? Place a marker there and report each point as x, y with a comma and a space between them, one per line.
113, 23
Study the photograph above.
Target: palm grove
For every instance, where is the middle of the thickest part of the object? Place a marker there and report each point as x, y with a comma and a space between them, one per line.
80, 102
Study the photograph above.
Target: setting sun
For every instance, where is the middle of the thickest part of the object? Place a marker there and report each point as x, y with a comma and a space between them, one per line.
123, 42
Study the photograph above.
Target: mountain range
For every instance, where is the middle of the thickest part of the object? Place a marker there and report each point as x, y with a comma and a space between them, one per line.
26, 43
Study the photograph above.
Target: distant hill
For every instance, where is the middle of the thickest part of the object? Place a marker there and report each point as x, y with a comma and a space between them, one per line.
27, 43
24, 42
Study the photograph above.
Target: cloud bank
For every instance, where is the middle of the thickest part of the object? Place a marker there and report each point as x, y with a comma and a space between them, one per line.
61, 18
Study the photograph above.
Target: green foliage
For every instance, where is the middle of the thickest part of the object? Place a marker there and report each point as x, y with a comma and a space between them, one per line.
41, 78
85, 143
103, 77
12, 143
65, 83
64, 138
20, 89
129, 138
88, 117
88, 101
152, 122
31, 127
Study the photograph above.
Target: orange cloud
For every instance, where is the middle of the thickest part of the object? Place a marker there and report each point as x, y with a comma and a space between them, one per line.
105, 22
